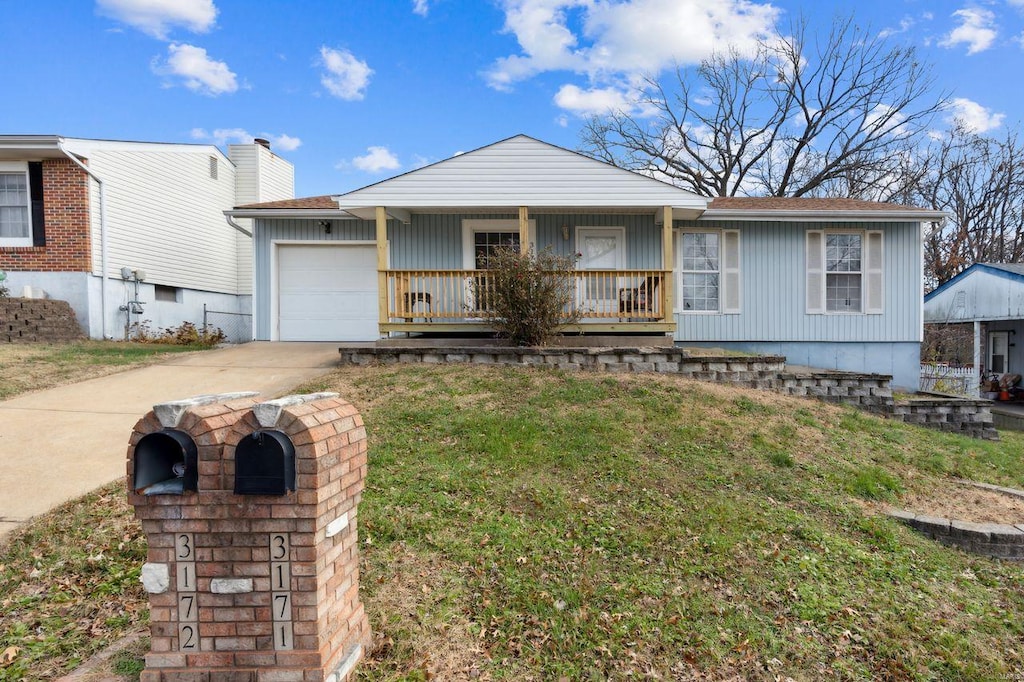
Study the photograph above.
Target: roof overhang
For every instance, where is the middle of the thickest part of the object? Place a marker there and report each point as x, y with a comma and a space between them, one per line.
311, 213
797, 216
30, 147
403, 213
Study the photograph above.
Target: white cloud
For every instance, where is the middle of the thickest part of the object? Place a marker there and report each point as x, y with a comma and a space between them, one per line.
593, 101
285, 143
420, 7
197, 70
973, 116
225, 136
905, 25
158, 17
977, 30
616, 37
345, 76
376, 159
562, 121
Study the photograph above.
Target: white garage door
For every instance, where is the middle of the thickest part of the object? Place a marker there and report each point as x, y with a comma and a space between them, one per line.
327, 293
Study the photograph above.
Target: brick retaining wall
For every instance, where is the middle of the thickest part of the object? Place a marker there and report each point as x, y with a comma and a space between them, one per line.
26, 320
871, 392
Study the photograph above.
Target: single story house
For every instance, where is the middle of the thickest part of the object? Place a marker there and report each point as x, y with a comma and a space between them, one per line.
128, 232
826, 282
990, 297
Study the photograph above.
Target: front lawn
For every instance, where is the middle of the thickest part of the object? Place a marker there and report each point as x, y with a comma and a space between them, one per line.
525, 524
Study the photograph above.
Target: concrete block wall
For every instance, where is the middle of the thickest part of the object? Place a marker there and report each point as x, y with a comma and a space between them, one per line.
870, 392
30, 320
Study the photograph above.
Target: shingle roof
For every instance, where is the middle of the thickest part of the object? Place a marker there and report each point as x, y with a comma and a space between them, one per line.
312, 203
806, 204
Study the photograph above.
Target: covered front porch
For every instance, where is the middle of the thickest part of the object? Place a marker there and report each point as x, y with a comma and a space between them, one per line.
610, 296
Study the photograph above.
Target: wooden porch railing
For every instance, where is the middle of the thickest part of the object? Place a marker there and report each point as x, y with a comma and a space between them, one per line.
460, 295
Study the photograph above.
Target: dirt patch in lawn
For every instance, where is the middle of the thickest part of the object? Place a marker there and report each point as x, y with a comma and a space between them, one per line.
967, 503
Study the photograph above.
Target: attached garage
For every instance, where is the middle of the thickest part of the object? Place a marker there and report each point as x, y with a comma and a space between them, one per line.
327, 292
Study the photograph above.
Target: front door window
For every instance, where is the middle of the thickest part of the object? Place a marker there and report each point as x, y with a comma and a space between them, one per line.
998, 352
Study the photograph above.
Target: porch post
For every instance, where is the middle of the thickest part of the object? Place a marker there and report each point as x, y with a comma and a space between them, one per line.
667, 262
977, 361
524, 229
382, 266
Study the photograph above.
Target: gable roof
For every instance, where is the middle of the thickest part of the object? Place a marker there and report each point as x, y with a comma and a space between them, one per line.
521, 171
1011, 271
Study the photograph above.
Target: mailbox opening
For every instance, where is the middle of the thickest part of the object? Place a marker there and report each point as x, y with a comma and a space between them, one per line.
166, 463
265, 464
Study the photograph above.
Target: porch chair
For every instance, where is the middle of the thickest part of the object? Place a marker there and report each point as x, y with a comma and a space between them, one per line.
640, 300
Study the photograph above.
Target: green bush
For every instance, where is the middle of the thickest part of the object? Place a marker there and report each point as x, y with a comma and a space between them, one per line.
528, 297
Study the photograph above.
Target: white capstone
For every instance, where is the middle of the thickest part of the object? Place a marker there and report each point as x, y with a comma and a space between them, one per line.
156, 578
348, 664
269, 412
337, 525
170, 413
231, 585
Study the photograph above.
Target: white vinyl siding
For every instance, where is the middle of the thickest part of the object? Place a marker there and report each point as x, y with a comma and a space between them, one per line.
15, 207
845, 271
164, 215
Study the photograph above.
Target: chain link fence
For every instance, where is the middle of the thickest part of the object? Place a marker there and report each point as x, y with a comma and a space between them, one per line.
236, 327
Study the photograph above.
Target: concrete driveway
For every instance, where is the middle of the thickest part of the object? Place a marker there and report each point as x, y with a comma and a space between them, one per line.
61, 443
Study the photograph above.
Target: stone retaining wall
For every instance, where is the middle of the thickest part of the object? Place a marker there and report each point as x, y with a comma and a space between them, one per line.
968, 417
751, 372
998, 540
27, 320
871, 392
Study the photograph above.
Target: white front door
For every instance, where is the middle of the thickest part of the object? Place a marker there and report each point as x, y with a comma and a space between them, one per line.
998, 352
600, 248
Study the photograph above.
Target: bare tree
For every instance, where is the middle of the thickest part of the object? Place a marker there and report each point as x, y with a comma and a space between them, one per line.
802, 116
979, 182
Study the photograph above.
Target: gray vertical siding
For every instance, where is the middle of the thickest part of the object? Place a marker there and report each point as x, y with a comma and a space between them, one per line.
772, 270
772, 267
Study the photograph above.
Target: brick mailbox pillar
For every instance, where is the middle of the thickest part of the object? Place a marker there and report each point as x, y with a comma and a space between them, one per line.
253, 568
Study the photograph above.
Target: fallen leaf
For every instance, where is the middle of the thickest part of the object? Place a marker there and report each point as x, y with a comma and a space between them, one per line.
8, 655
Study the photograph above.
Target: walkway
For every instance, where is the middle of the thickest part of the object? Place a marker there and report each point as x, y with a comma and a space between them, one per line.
63, 442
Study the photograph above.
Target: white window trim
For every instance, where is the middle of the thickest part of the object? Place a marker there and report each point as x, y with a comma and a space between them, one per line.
22, 167
860, 273
867, 307
470, 226
722, 272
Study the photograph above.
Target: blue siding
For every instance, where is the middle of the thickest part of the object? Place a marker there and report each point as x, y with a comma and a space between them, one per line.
773, 285
435, 241
901, 360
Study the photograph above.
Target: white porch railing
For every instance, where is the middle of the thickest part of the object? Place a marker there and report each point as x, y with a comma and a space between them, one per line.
941, 378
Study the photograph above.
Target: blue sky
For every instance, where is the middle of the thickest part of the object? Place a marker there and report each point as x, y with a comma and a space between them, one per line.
353, 91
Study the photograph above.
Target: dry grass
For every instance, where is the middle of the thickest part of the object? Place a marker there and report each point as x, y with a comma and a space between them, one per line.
33, 367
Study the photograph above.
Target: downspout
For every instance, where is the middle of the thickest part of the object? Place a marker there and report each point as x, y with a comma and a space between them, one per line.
238, 227
103, 236
247, 233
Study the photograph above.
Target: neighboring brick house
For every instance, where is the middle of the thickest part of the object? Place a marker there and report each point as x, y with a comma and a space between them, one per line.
81, 220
